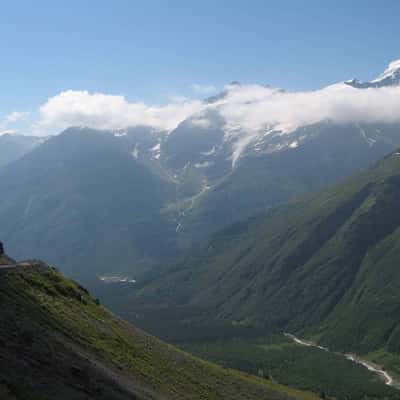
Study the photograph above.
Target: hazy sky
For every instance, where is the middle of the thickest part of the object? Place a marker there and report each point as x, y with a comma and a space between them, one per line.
153, 51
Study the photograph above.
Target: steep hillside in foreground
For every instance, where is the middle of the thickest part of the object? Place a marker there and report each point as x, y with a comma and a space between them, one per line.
57, 342
325, 266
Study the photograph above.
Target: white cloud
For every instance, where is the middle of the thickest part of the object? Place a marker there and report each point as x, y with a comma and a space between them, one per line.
103, 111
253, 108
16, 116
203, 90
7, 124
248, 110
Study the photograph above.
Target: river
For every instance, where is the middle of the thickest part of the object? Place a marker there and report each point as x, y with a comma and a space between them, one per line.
389, 380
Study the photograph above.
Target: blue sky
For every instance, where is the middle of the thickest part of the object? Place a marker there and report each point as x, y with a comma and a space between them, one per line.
152, 50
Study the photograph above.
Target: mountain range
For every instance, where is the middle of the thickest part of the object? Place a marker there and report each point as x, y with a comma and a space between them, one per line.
129, 201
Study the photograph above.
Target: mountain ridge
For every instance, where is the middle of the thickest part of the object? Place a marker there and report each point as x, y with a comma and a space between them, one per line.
389, 77
147, 190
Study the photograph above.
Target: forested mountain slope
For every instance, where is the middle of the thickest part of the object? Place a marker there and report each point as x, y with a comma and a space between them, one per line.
326, 266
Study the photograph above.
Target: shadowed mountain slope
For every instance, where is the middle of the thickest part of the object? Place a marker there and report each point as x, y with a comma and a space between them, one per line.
82, 198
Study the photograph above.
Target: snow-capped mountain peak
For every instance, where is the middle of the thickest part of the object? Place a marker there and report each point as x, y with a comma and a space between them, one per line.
389, 77
391, 74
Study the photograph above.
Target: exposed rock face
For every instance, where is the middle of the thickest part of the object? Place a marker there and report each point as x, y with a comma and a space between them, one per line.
4, 259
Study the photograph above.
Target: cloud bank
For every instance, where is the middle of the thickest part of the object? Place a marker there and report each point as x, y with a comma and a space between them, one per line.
104, 111
253, 108
246, 109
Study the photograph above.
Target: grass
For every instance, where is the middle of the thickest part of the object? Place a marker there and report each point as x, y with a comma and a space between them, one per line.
50, 306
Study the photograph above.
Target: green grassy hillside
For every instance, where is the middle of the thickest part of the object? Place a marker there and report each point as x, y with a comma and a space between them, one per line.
58, 342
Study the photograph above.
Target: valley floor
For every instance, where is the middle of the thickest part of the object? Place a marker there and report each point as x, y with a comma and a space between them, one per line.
379, 370
272, 356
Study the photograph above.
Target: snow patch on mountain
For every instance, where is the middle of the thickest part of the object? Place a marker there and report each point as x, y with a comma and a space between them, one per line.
389, 77
242, 141
156, 150
370, 141
210, 152
120, 133
135, 152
